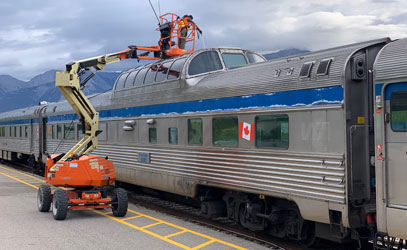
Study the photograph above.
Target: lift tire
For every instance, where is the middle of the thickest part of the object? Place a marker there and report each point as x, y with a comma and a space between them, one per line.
60, 205
120, 202
44, 198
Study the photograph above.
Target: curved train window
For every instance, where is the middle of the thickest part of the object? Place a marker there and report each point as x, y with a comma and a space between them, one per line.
150, 76
162, 71
272, 131
120, 81
398, 111
225, 132
172, 135
323, 67
130, 79
233, 60
140, 77
254, 58
195, 131
205, 62
176, 68
69, 131
305, 71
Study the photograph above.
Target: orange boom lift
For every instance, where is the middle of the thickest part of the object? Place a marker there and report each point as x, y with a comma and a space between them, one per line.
85, 179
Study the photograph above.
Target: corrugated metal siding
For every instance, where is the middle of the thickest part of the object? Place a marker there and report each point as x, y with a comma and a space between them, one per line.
391, 62
318, 176
15, 145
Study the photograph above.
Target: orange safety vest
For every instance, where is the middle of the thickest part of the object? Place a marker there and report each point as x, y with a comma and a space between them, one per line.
184, 23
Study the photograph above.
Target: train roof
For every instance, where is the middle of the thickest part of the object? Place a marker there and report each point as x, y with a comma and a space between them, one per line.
391, 61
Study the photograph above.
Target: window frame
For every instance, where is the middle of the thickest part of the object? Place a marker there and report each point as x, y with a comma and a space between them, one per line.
237, 131
391, 111
201, 137
208, 72
169, 136
271, 147
150, 129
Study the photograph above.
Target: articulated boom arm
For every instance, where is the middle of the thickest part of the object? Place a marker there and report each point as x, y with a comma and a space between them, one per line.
69, 84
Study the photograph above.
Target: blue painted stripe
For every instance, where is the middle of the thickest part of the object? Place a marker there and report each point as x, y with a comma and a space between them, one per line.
395, 87
296, 98
378, 89
20, 122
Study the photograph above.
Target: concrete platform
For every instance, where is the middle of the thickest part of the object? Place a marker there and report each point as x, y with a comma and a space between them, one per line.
22, 226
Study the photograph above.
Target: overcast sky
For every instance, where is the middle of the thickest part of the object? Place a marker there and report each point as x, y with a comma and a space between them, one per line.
38, 35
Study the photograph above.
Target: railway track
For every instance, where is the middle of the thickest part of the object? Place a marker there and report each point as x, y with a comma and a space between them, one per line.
191, 213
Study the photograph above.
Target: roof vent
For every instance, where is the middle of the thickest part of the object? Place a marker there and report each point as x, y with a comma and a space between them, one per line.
323, 67
305, 71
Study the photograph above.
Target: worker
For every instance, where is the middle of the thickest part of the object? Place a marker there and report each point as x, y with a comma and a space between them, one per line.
185, 23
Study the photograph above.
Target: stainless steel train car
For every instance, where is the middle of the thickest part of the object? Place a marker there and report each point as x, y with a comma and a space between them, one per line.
304, 147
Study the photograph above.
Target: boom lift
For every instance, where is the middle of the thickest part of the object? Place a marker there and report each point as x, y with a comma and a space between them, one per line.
85, 177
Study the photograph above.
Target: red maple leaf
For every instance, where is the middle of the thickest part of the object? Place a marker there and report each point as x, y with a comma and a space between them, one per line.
246, 130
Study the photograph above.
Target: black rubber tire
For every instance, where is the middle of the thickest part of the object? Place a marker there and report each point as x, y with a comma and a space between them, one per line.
120, 199
44, 198
60, 205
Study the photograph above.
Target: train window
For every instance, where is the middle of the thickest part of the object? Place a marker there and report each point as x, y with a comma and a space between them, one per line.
1, 132
140, 77
173, 135
398, 111
59, 131
195, 131
53, 131
152, 135
20, 134
120, 81
79, 131
150, 76
233, 60
3, 129
305, 71
162, 72
69, 131
130, 79
254, 58
205, 62
272, 131
14, 131
323, 67
176, 68
225, 131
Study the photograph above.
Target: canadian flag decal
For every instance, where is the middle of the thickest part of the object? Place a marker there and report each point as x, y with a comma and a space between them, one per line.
246, 131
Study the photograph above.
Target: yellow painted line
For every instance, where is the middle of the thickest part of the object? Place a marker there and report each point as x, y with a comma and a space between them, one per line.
204, 244
164, 238
33, 177
133, 217
144, 231
190, 231
16, 179
152, 225
175, 234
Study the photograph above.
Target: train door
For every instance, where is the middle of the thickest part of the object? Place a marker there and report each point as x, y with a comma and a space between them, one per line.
394, 156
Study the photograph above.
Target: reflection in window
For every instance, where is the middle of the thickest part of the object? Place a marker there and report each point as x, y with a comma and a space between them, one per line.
195, 131
79, 131
205, 62
59, 131
151, 74
254, 58
175, 70
130, 79
69, 131
173, 135
140, 77
272, 131
398, 111
152, 135
225, 131
120, 81
233, 60
162, 72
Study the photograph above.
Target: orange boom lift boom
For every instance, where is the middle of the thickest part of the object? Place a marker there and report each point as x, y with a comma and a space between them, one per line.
85, 179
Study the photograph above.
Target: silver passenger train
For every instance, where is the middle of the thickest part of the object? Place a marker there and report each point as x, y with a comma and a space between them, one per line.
304, 147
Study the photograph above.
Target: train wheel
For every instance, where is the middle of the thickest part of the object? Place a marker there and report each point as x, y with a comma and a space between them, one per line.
44, 198
60, 205
120, 202
309, 238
